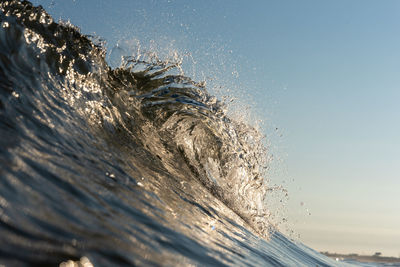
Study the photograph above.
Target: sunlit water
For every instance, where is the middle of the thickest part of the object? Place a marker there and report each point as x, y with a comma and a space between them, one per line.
137, 165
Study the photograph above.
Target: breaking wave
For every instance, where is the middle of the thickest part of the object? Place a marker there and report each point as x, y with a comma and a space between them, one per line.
117, 163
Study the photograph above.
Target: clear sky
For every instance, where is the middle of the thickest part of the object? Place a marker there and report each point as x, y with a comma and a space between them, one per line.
325, 73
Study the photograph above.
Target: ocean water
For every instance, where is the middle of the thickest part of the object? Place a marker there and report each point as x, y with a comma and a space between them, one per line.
136, 165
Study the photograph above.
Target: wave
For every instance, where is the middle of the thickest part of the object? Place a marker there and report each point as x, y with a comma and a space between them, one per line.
92, 154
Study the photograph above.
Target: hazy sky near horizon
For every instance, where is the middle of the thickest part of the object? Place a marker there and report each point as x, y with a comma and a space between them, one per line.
325, 73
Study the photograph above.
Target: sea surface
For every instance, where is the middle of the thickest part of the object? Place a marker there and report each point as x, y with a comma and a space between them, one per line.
131, 166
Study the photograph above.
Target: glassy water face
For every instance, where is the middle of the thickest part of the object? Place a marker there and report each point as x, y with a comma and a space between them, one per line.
137, 165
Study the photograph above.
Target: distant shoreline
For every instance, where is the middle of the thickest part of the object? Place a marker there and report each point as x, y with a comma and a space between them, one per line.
362, 258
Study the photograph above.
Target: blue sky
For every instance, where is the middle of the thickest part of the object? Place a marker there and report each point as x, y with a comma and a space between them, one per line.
325, 73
